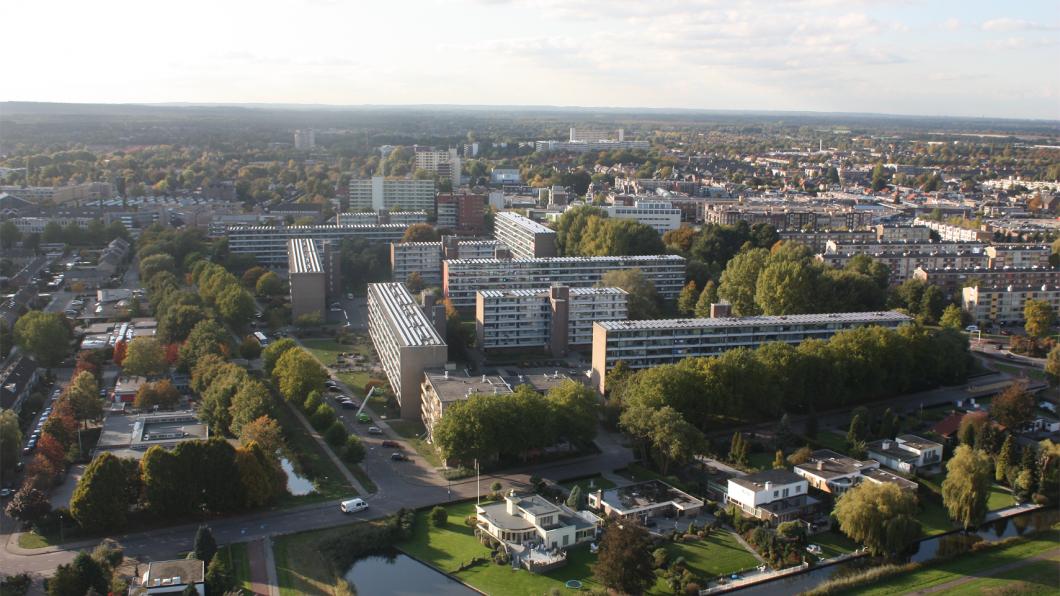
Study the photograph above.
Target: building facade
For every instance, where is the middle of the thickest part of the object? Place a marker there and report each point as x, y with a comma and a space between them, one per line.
424, 258
1018, 255
405, 341
902, 264
461, 278
378, 193
953, 281
816, 240
444, 163
662, 216
269, 243
463, 213
773, 496
644, 344
307, 277
526, 238
1003, 305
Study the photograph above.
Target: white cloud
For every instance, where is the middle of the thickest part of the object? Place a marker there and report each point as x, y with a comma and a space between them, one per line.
1008, 24
952, 24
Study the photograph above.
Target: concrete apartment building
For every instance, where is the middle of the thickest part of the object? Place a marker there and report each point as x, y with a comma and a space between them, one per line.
954, 233
455, 247
660, 215
1018, 255
833, 247
783, 218
890, 232
902, 264
644, 344
555, 319
305, 140
462, 212
424, 258
816, 240
405, 341
442, 388
444, 163
405, 218
307, 277
462, 278
952, 281
379, 193
526, 238
1003, 305
89, 191
269, 243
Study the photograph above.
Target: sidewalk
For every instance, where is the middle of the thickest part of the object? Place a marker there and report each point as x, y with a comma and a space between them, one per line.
262, 568
341, 465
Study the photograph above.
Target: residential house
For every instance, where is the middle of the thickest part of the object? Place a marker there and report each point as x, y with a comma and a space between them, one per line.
535, 531
172, 577
905, 453
772, 496
645, 500
17, 381
833, 473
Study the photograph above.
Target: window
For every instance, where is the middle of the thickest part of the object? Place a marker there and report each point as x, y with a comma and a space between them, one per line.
776, 493
566, 540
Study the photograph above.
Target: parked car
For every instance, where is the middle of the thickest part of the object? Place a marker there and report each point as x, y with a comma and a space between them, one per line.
374, 430
399, 457
353, 506
364, 418
348, 404
6, 493
391, 444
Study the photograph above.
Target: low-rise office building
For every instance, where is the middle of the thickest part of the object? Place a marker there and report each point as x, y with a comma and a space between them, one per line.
424, 258
555, 319
307, 278
269, 243
526, 238
462, 278
953, 281
1018, 255
905, 453
405, 341
773, 496
644, 344
662, 216
1004, 304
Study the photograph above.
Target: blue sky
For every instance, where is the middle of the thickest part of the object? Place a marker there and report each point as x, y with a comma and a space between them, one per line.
900, 56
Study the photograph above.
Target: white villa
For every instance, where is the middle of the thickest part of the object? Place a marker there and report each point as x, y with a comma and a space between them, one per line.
906, 453
535, 531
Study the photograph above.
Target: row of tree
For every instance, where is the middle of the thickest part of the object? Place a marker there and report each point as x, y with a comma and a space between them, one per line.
486, 427
587, 231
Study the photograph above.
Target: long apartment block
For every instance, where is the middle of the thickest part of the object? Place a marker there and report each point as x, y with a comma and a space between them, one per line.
555, 319
644, 344
526, 238
365, 218
1018, 255
461, 278
424, 258
1004, 305
378, 193
405, 342
903, 264
833, 247
951, 280
269, 243
817, 239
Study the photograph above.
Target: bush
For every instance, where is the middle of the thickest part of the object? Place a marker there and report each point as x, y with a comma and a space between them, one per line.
322, 418
250, 348
336, 434
312, 402
438, 516
354, 451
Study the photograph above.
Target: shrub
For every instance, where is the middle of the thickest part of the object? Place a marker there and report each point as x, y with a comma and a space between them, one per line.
322, 418
659, 557
438, 516
312, 402
336, 434
354, 451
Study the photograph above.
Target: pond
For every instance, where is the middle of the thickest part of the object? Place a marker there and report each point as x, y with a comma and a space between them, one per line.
296, 485
397, 574
1024, 523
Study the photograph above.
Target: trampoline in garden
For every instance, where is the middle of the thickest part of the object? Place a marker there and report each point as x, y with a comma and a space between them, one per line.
574, 584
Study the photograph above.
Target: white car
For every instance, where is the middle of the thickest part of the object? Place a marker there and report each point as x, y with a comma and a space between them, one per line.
374, 430
353, 506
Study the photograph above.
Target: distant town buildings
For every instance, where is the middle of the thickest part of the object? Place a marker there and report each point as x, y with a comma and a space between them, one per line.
305, 140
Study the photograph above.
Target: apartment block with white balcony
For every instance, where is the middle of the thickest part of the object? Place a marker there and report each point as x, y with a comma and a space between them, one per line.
424, 258
526, 238
379, 192
662, 216
269, 243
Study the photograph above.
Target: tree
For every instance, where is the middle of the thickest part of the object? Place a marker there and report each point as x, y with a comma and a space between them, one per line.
686, 300
801, 456
571, 225
271, 354
969, 427
144, 357
269, 285
265, 432
1015, 407
251, 276
219, 577
82, 396
967, 486
1039, 318
438, 516
177, 322
205, 545
297, 373
28, 505
707, 297
336, 434
421, 232
251, 401
44, 336
952, 317
1005, 459
354, 451
100, 500
10, 439
624, 561
786, 288
643, 299
858, 430
236, 306
9, 234
575, 498
778, 460
414, 282
155, 264
158, 393
574, 410
207, 337
260, 474
250, 347
83, 576
1052, 366
880, 516
740, 278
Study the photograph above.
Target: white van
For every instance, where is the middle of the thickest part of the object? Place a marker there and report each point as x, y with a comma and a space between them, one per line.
353, 506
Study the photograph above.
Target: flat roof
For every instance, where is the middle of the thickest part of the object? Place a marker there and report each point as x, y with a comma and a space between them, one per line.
758, 480
408, 317
524, 222
457, 387
535, 292
302, 256
848, 317
651, 493
317, 227
543, 260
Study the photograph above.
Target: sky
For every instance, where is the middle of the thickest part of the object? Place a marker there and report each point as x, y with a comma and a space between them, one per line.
945, 57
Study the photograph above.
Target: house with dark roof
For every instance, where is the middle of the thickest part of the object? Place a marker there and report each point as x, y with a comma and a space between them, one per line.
17, 381
172, 577
773, 496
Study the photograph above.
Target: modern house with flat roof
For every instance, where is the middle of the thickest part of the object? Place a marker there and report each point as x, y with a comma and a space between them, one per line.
833, 473
461, 278
536, 531
773, 496
906, 453
405, 341
645, 500
526, 238
644, 344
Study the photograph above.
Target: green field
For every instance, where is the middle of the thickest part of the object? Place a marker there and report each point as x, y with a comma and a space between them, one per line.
833, 544
32, 539
934, 519
719, 554
447, 548
1033, 579
327, 352
999, 498
963, 566
300, 568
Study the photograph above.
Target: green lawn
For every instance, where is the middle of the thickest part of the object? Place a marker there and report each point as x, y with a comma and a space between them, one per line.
832, 440
761, 461
1033, 579
718, 554
300, 568
239, 562
832, 544
598, 482
962, 566
1020, 371
447, 548
413, 431
327, 352
999, 498
34, 540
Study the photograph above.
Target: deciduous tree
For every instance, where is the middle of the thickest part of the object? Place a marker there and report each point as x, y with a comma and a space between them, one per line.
967, 486
1038, 316
624, 561
144, 357
100, 500
880, 516
44, 336
1014, 408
